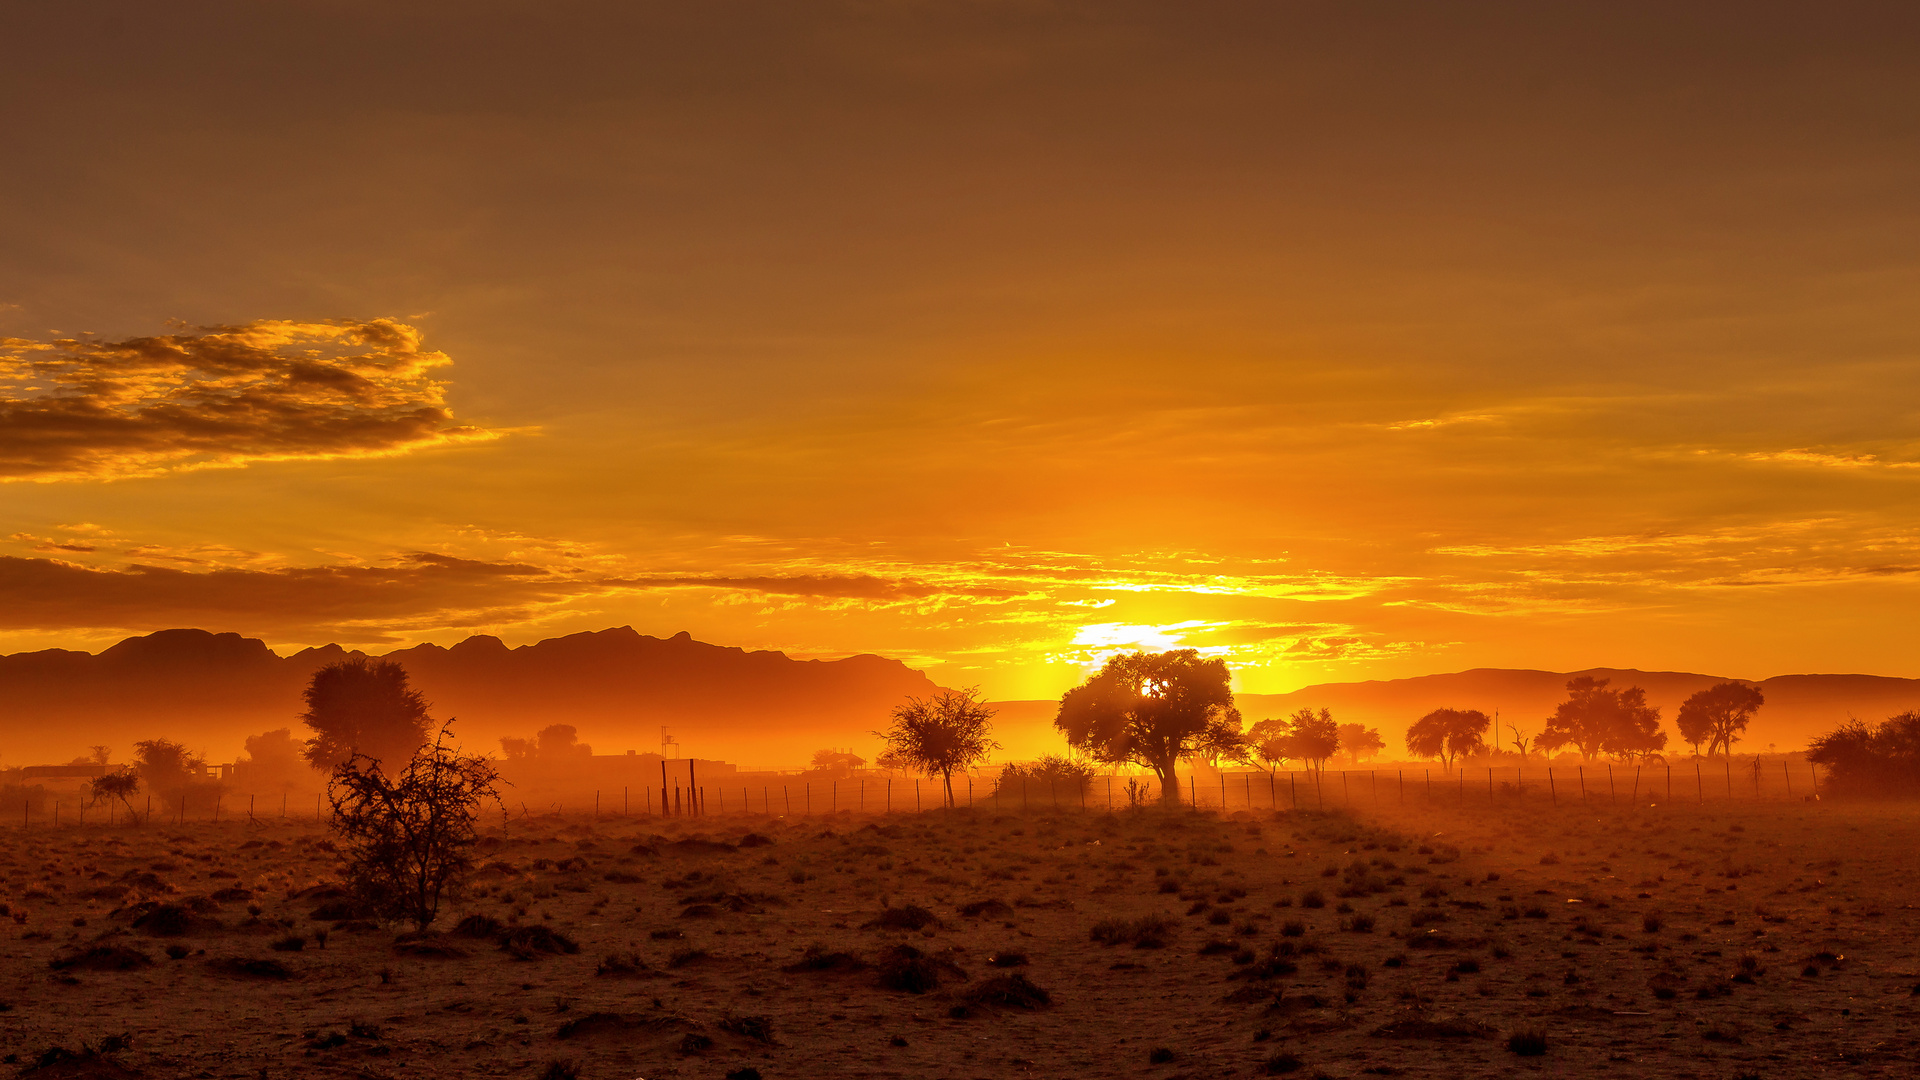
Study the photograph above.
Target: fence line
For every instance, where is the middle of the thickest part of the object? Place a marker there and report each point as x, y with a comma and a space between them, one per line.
1254, 789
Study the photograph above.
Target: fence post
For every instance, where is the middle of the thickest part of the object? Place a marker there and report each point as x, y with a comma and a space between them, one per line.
1609, 783
1293, 789
1552, 791
1193, 791
1699, 785
1582, 770
1728, 763
1788, 774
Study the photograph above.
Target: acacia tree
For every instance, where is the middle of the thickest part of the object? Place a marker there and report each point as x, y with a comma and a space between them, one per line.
120, 785
1153, 709
168, 767
1718, 716
408, 840
1272, 742
362, 708
1315, 737
939, 734
1359, 742
1448, 734
1597, 720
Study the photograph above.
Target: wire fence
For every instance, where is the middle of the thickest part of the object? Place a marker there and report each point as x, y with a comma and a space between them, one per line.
1694, 781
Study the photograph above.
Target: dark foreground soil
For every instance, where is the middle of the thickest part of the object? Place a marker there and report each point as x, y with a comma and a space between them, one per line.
1765, 941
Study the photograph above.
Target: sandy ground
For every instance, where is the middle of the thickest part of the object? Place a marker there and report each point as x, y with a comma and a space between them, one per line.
1769, 940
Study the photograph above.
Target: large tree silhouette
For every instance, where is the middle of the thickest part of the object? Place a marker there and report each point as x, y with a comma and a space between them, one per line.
1596, 720
1448, 733
1718, 716
939, 734
1153, 709
1315, 736
365, 708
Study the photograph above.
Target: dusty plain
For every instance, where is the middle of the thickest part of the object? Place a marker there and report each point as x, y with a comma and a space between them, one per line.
1723, 940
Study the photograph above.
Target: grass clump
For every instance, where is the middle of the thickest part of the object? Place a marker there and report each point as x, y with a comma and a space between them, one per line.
1010, 992
1528, 1042
1145, 932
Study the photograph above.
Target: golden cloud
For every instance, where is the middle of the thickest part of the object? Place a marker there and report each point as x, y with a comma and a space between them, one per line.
221, 396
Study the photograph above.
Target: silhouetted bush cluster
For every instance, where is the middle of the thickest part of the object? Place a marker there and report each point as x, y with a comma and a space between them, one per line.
1871, 760
1050, 778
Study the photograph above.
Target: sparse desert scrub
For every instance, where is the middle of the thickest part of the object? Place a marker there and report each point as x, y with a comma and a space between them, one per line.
762, 965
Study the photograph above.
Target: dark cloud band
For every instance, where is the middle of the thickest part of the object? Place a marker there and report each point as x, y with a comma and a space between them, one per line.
89, 409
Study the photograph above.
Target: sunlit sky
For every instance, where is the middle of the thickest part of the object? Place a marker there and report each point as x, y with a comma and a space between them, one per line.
1344, 340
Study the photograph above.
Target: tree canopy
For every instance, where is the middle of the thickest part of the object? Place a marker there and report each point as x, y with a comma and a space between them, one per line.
1315, 736
1448, 734
168, 767
554, 744
1360, 742
364, 708
942, 733
1596, 720
1718, 716
1153, 709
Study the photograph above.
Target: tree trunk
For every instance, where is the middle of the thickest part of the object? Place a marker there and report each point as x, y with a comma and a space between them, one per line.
1169, 783
948, 777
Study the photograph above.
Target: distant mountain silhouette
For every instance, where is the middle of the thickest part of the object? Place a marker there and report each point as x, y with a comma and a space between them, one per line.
1798, 706
617, 686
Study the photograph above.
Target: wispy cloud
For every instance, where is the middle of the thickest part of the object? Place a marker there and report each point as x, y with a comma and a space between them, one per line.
83, 408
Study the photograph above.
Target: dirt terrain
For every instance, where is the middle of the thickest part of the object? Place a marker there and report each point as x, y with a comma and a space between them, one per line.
1767, 940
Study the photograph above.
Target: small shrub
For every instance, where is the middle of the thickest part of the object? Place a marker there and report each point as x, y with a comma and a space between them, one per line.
909, 970
909, 917
817, 959
561, 1069
529, 942
478, 926
1281, 1064
1529, 1042
1313, 898
1010, 992
1159, 1055
758, 1028
623, 966
104, 958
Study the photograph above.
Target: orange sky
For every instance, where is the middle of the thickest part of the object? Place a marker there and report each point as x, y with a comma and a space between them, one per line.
1351, 340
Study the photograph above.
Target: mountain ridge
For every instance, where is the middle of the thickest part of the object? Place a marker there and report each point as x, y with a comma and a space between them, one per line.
618, 686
